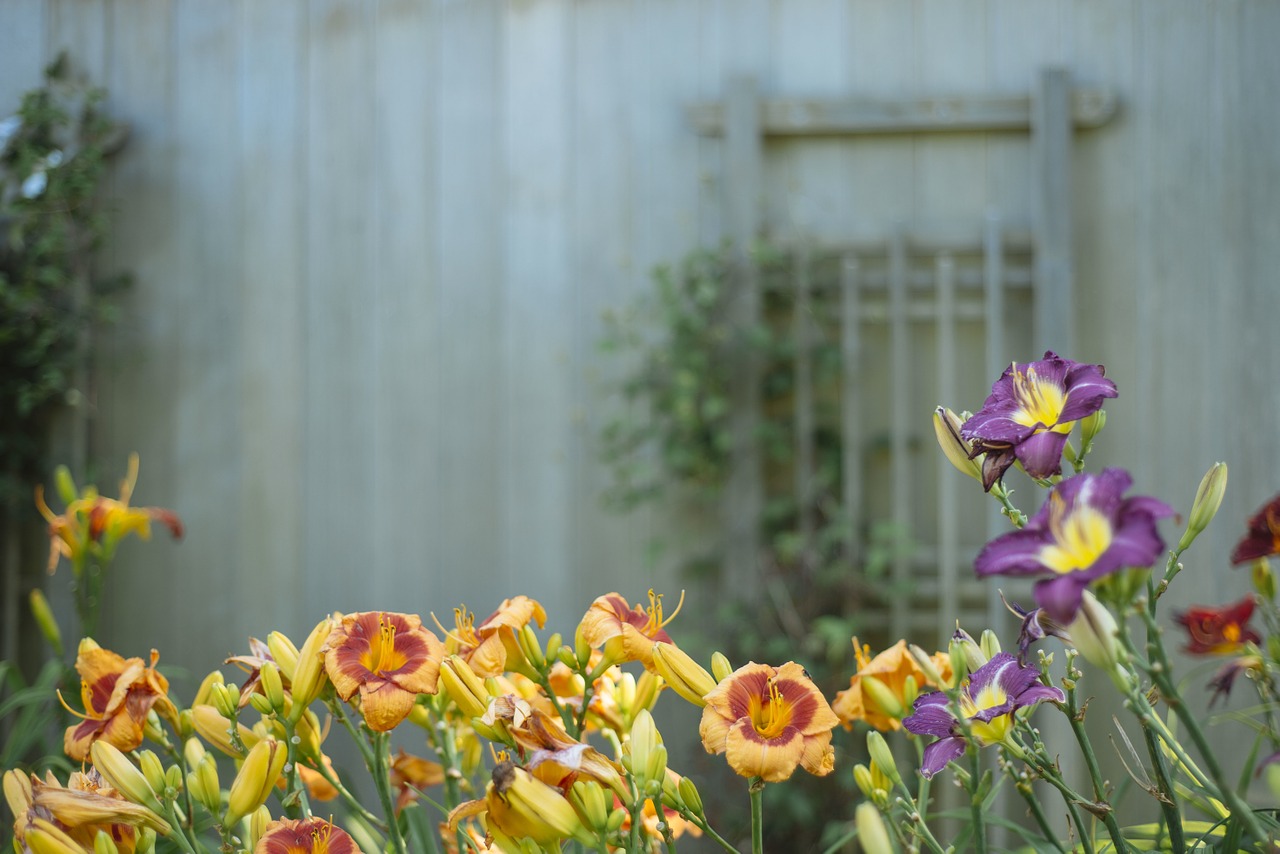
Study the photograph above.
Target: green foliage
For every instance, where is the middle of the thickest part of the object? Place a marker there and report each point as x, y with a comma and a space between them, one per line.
52, 160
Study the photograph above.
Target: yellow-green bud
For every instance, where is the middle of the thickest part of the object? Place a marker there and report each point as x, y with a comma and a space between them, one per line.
44, 837
309, 675
873, 837
531, 647
648, 756
685, 676
588, 799
721, 669
146, 841
862, 779
284, 653
966, 656
258, 822
173, 778
65, 484
204, 696
1093, 634
261, 704
646, 691
152, 770
910, 690
202, 783
946, 426
220, 694
989, 643
104, 844
880, 695
45, 620
1264, 580
123, 776
272, 685
151, 728
581, 649
925, 663
256, 779
689, 796
566, 656
193, 751
616, 818
553, 646
467, 691
1090, 427
882, 757
1208, 499
624, 691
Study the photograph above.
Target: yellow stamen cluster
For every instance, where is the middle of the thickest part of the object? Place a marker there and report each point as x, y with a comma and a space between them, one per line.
382, 656
773, 716
654, 610
1080, 535
1038, 402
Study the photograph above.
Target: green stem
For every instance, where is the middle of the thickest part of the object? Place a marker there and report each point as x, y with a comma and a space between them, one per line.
297, 805
975, 802
378, 743
175, 821
1095, 775
710, 831
1037, 812
756, 788
348, 798
1168, 798
1049, 773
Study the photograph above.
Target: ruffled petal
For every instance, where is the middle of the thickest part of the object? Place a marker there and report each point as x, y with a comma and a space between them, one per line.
1014, 553
384, 705
931, 715
1041, 454
772, 759
938, 754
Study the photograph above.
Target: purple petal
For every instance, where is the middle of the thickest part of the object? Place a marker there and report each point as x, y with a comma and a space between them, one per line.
1041, 454
994, 465
1014, 553
938, 754
1086, 387
1039, 693
995, 426
931, 716
1060, 596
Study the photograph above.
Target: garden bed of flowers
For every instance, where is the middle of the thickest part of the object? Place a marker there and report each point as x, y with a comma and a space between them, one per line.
539, 741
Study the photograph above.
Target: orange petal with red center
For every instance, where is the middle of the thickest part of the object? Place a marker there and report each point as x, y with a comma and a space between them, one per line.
105, 679
809, 710
305, 836
772, 759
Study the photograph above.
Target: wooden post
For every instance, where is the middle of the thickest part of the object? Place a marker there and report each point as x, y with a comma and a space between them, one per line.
744, 492
948, 502
850, 439
1051, 131
802, 412
900, 426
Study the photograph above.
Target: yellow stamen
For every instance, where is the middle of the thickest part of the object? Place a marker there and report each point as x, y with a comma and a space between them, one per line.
656, 620
382, 656
1231, 631
1080, 536
1038, 402
80, 715
773, 716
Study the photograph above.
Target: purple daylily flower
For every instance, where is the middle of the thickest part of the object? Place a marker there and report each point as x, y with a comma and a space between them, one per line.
1084, 530
1030, 412
994, 692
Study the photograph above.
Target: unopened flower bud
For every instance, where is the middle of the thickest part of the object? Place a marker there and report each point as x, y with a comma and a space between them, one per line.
721, 669
862, 779
881, 697
648, 756
989, 643
222, 700
581, 649
256, 779
882, 757
646, 691
258, 821
873, 837
1208, 499
202, 783
44, 837
685, 676
284, 653
104, 844
45, 621
966, 652
204, 695
624, 691
65, 484
925, 663
261, 704
689, 795
588, 798
1264, 580
946, 426
616, 818
216, 730
193, 751
146, 843
1093, 633
1090, 426
566, 656
309, 676
272, 685
553, 646
531, 647
152, 769
464, 687
122, 775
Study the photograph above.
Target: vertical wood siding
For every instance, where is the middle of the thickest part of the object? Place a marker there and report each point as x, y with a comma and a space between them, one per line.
373, 242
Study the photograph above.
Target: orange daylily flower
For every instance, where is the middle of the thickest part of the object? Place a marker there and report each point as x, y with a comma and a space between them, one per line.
485, 647
626, 633
117, 694
411, 774
305, 836
318, 786
388, 658
768, 721
891, 668
93, 524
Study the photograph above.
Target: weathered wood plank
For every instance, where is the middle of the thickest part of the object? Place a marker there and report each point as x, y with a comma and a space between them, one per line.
1090, 108
1054, 325
406, 359
537, 298
341, 328
471, 260
23, 26
273, 149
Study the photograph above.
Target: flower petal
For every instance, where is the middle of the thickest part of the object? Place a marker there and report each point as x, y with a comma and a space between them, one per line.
772, 759
931, 716
1041, 454
938, 754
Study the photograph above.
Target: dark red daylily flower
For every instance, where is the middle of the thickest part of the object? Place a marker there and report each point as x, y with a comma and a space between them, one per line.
1030, 412
1263, 537
1218, 631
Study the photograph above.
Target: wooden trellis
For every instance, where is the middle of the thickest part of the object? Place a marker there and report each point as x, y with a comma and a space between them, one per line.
886, 289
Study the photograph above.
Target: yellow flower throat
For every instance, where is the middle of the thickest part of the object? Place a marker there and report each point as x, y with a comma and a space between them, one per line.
772, 716
1080, 536
382, 655
1038, 402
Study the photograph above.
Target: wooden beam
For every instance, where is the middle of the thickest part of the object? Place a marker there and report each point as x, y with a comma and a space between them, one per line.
1053, 326
1089, 108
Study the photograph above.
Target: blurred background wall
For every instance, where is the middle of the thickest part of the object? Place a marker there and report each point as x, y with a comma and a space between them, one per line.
373, 242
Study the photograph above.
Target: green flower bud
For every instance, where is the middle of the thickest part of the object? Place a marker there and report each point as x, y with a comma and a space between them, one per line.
65, 484
946, 426
261, 704
1208, 499
1090, 427
989, 643
1264, 580
272, 685
531, 647
689, 796
882, 757
152, 769
104, 844
45, 620
873, 837
884, 699
721, 669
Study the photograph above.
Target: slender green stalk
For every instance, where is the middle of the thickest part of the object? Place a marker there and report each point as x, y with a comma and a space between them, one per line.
710, 831
378, 743
298, 805
1095, 775
1049, 773
1037, 812
1168, 797
349, 799
757, 815
975, 803
179, 837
